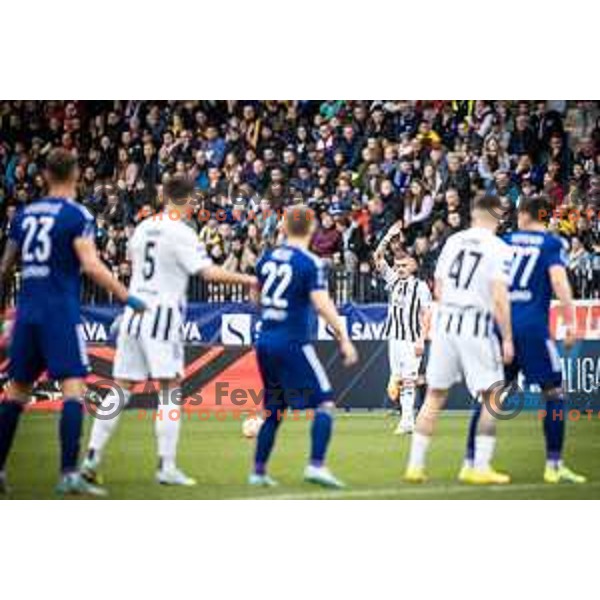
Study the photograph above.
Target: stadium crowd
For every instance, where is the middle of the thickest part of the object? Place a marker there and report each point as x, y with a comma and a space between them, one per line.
362, 165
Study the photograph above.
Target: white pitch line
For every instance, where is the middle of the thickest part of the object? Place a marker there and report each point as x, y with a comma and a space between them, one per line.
417, 490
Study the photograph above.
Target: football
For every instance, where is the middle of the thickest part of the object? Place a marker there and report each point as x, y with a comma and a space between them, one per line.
251, 426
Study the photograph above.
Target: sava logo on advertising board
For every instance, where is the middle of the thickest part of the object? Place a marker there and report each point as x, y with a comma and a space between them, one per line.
358, 330
95, 332
236, 329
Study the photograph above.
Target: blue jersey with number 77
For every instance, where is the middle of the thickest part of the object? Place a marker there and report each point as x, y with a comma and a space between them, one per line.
534, 253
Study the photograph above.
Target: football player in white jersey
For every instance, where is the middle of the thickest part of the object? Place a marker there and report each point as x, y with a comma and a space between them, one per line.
471, 287
165, 253
406, 327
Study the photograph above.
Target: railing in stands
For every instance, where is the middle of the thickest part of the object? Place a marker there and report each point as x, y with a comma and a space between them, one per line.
344, 286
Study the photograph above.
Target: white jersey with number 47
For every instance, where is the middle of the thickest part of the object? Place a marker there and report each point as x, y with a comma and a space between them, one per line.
464, 345
470, 261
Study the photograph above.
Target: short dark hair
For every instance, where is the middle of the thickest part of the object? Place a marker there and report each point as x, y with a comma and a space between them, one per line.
539, 208
178, 188
60, 165
488, 203
298, 220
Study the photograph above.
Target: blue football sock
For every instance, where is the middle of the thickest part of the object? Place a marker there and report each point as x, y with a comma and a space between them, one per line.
470, 450
10, 411
266, 441
320, 436
554, 428
71, 422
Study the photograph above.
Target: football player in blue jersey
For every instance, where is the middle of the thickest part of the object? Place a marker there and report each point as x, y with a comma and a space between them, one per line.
538, 270
293, 287
53, 239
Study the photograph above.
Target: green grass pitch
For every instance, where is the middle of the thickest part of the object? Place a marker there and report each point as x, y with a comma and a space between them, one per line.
364, 453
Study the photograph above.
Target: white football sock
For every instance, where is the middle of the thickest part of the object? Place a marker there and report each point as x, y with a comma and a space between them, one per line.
102, 429
167, 427
484, 451
407, 402
418, 450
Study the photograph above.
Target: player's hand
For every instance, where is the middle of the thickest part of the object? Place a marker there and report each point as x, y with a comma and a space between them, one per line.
395, 229
508, 351
253, 282
136, 303
349, 353
419, 347
570, 338
6, 325
254, 294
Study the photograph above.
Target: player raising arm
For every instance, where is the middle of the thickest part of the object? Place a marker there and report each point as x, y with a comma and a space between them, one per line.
292, 286
165, 253
406, 326
53, 238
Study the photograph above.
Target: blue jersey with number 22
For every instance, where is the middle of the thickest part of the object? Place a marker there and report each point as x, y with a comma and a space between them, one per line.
288, 275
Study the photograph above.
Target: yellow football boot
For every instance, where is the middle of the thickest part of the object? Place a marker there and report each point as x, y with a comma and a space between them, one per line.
465, 473
488, 477
415, 475
562, 474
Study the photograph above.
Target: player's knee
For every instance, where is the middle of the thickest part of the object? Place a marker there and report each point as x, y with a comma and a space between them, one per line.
328, 406
170, 393
19, 392
73, 388
125, 384
551, 393
436, 397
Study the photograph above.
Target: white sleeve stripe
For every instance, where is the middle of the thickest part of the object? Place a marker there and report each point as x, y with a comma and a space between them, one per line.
317, 367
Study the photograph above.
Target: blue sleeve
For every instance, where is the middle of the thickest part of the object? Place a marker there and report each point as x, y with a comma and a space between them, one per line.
556, 252
83, 223
15, 230
316, 276
259, 264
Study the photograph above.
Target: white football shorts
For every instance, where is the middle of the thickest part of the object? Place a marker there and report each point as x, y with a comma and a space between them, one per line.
461, 356
404, 363
148, 352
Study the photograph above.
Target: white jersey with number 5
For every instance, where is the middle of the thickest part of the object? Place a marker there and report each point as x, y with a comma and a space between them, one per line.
164, 253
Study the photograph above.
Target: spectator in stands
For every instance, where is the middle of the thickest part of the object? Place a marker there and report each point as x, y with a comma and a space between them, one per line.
327, 240
418, 205
361, 166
